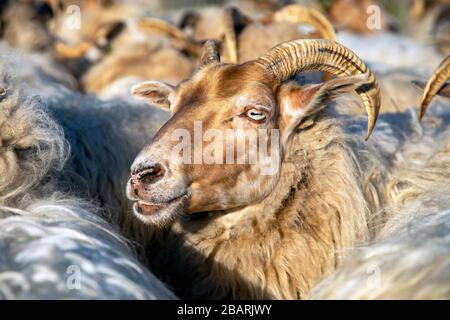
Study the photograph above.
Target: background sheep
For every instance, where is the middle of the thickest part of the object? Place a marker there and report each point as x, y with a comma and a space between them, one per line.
35, 71
103, 137
46, 237
143, 48
411, 263
247, 35
61, 248
23, 24
116, 43
410, 258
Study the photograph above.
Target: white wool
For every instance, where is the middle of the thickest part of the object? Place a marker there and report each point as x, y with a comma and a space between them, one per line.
385, 50
45, 245
412, 262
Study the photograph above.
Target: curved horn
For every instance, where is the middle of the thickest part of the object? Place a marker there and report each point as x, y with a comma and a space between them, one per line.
72, 51
154, 24
150, 25
229, 33
436, 82
211, 53
299, 14
290, 57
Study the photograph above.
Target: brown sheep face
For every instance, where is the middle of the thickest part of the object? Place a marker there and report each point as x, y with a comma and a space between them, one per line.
223, 147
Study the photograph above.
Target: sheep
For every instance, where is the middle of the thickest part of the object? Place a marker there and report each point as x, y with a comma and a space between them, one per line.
399, 50
242, 34
283, 28
112, 35
409, 258
99, 18
241, 231
23, 24
399, 89
56, 239
31, 144
144, 47
37, 71
103, 137
154, 54
403, 61
114, 39
156, 58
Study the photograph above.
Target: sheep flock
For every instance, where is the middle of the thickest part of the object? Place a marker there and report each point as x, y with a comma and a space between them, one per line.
91, 91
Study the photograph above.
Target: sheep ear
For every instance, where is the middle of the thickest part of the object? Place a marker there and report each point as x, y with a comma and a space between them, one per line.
300, 103
155, 93
445, 90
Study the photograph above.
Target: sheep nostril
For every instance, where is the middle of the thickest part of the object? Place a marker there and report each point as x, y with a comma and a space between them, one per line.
148, 175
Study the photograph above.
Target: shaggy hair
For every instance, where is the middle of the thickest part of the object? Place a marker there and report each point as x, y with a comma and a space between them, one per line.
31, 144
411, 262
410, 256
38, 73
62, 249
81, 148
64, 160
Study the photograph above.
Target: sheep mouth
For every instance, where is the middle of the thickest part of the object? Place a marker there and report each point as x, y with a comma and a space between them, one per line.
144, 208
147, 209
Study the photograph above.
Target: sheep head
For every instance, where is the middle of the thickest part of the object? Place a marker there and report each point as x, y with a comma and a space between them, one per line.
194, 164
93, 47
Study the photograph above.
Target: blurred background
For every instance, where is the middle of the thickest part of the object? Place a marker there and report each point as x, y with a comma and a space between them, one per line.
110, 44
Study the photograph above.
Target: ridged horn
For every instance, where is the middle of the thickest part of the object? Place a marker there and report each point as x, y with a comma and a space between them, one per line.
288, 58
211, 53
229, 33
434, 84
300, 14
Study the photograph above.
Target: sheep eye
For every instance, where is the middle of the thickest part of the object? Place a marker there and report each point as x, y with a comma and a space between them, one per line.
256, 115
